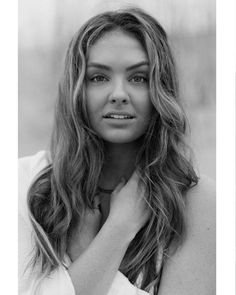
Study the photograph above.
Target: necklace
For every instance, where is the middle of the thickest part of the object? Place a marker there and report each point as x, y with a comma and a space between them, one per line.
105, 191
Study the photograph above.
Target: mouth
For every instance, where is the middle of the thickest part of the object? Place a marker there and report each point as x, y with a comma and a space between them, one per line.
118, 116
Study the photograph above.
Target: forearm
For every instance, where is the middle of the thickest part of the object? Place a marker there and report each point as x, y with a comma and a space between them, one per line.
93, 272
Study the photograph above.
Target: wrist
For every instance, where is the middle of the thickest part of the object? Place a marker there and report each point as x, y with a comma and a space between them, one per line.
125, 232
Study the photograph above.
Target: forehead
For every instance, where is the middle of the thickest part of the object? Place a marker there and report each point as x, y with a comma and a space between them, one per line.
117, 46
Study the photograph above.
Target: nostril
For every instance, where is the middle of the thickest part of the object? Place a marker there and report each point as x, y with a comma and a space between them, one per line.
120, 99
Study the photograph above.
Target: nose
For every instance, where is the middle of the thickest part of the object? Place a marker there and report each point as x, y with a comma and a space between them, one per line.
118, 94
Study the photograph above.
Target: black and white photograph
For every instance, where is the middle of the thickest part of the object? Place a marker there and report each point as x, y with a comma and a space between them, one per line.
117, 147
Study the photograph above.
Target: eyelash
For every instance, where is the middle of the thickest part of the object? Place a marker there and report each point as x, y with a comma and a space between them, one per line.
140, 77
92, 79
97, 76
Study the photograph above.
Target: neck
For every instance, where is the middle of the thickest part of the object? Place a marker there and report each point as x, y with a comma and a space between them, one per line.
119, 162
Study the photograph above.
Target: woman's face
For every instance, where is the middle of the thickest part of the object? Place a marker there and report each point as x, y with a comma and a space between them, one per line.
117, 88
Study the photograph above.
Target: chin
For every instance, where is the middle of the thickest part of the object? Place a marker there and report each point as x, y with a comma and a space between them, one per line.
118, 138
118, 141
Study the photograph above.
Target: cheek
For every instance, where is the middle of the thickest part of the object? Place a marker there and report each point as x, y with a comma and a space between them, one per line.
95, 97
149, 106
148, 111
93, 103
145, 106
91, 110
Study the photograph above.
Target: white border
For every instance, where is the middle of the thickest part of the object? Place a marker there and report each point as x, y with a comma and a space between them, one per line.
8, 146
225, 175
226, 68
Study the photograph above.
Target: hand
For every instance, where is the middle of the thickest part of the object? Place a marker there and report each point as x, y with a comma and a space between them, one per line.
128, 208
81, 239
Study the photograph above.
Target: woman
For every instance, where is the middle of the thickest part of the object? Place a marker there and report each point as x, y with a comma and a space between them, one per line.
116, 206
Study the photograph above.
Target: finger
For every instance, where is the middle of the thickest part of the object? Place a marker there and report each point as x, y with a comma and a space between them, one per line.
96, 202
92, 212
119, 186
92, 216
134, 177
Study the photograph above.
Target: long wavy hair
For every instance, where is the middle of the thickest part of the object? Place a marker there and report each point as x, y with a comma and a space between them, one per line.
62, 191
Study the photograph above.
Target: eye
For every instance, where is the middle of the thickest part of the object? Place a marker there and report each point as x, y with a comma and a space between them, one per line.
98, 79
139, 79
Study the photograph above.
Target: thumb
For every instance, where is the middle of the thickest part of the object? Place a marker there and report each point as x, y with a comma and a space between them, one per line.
96, 202
119, 186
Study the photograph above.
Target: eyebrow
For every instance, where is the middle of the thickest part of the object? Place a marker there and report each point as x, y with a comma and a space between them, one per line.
105, 67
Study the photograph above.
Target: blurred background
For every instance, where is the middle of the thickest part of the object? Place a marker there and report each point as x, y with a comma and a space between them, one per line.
45, 29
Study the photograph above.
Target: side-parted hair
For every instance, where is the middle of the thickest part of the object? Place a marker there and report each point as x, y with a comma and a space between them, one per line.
58, 198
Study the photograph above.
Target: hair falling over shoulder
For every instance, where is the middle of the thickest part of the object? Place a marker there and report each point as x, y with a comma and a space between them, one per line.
59, 196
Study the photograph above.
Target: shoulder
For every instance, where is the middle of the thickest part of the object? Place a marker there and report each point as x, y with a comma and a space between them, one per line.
28, 168
201, 206
34, 162
203, 190
200, 241
191, 268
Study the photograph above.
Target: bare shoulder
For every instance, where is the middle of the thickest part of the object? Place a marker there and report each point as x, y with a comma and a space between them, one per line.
201, 220
201, 206
191, 269
203, 191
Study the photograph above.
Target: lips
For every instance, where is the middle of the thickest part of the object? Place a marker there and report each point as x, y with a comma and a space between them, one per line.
119, 116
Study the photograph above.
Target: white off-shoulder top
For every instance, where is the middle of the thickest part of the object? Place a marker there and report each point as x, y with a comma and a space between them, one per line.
59, 281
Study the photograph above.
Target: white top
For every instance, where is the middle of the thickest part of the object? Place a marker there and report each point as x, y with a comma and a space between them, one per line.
59, 282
